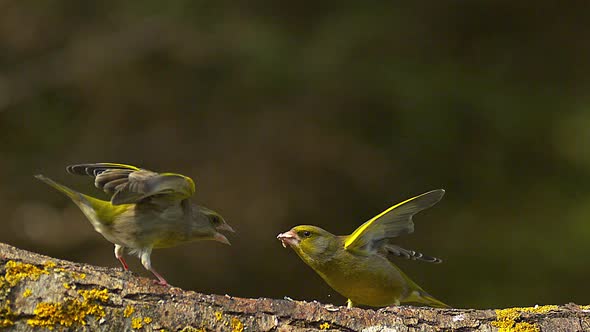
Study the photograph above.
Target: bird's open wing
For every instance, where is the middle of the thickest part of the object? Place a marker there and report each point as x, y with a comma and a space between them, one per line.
391, 250
395, 221
129, 184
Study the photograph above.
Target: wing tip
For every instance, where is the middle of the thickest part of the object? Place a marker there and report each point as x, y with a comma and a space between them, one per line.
91, 168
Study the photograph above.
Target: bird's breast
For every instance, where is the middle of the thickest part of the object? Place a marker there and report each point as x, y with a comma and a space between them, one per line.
369, 280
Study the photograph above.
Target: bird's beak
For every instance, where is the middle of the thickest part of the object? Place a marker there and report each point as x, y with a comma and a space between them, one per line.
221, 238
288, 238
225, 227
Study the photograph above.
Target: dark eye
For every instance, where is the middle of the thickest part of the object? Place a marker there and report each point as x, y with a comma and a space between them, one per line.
306, 233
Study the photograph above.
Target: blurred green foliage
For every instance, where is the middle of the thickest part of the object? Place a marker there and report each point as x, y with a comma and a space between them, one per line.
312, 113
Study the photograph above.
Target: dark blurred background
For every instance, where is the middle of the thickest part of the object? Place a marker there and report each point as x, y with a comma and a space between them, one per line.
312, 113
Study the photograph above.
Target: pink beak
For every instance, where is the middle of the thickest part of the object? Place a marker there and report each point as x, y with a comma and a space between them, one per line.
221, 238
288, 238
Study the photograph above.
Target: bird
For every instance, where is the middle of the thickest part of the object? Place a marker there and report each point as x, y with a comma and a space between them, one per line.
360, 266
146, 210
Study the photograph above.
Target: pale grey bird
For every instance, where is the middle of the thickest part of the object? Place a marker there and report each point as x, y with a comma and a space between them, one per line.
147, 210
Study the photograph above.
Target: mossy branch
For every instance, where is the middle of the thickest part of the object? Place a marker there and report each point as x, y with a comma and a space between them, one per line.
40, 293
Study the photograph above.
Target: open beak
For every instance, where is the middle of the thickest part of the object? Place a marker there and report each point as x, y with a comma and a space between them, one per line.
221, 238
288, 238
225, 227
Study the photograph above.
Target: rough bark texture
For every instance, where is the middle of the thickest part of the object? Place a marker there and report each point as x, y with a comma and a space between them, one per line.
40, 293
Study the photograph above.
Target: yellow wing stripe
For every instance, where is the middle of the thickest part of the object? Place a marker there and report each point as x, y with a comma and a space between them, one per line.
364, 226
119, 165
186, 178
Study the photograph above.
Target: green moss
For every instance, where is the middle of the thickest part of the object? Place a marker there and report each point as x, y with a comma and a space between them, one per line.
72, 311
506, 319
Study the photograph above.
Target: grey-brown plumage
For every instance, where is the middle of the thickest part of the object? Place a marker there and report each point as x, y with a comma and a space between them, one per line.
147, 210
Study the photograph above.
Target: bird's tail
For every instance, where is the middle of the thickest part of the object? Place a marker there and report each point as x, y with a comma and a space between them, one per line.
83, 201
74, 195
421, 297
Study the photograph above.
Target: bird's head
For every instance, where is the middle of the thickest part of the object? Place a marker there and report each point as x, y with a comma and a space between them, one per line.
214, 224
310, 242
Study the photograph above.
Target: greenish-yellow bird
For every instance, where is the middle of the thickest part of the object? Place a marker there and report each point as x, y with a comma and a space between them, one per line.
147, 210
360, 265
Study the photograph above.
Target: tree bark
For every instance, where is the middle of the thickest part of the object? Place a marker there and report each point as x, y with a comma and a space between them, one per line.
39, 292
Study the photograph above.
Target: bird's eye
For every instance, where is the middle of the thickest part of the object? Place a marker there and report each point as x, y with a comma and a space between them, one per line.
306, 233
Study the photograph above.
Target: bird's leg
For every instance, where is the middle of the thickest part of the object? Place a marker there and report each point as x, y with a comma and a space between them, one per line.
161, 280
349, 304
119, 250
147, 263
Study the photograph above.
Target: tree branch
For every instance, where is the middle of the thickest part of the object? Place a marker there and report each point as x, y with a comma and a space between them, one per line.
38, 292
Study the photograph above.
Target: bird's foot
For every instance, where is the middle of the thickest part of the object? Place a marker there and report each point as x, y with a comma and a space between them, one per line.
161, 281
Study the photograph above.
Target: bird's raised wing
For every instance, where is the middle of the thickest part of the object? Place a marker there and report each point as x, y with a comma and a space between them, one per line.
395, 221
391, 250
129, 184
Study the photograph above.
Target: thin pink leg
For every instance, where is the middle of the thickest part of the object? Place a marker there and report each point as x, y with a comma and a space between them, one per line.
161, 280
122, 260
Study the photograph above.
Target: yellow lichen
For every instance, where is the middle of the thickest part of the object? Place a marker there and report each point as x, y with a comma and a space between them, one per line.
6, 315
506, 318
5, 322
192, 329
94, 294
16, 271
147, 320
324, 326
49, 265
71, 311
66, 285
218, 315
136, 323
585, 307
77, 275
128, 311
27, 293
236, 325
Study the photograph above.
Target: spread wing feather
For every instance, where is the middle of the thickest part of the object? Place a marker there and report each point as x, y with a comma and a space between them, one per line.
129, 184
392, 250
395, 221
